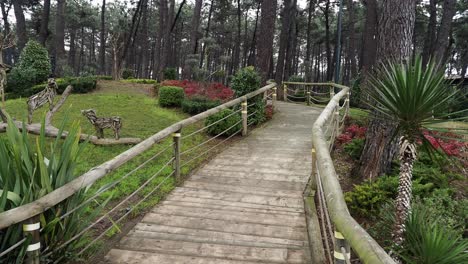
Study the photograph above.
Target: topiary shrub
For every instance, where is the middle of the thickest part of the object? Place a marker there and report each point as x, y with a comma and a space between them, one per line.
198, 104
33, 68
170, 73
171, 96
247, 80
227, 127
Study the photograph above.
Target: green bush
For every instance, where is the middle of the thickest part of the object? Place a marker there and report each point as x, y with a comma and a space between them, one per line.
127, 73
228, 126
367, 198
33, 68
170, 74
103, 77
354, 148
80, 85
171, 96
247, 80
141, 81
198, 104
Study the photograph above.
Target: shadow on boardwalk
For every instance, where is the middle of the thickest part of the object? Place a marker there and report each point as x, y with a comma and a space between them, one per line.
244, 206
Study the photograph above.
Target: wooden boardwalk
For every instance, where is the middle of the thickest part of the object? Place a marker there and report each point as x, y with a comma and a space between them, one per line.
244, 206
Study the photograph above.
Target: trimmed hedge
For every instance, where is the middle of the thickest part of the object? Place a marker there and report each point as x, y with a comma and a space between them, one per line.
140, 81
198, 104
233, 121
80, 85
171, 96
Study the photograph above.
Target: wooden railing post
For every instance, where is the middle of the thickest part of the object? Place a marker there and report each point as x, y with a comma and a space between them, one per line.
308, 96
273, 100
342, 252
31, 228
332, 92
244, 118
285, 92
176, 164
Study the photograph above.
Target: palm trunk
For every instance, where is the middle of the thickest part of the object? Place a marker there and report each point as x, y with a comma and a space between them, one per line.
407, 156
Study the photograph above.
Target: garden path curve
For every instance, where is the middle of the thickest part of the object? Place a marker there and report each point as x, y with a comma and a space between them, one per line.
244, 206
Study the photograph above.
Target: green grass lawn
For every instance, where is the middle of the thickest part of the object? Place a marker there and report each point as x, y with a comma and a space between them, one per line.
141, 117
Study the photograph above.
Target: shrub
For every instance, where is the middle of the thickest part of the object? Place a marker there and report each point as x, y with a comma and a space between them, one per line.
230, 123
170, 73
269, 111
214, 91
354, 148
247, 80
171, 96
127, 73
367, 198
141, 81
103, 77
80, 85
33, 68
198, 104
351, 132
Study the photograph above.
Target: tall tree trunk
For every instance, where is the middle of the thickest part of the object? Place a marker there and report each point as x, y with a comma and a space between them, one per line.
283, 43
9, 52
164, 28
291, 43
351, 41
396, 25
59, 47
72, 51
21, 32
443, 36
207, 33
308, 59
328, 41
265, 37
369, 45
428, 50
102, 40
236, 53
44, 31
251, 59
194, 36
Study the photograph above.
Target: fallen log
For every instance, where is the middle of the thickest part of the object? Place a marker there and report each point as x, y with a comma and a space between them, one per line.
53, 132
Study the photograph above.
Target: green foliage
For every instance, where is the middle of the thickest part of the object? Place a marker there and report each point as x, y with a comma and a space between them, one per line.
355, 97
141, 81
171, 96
33, 68
245, 81
170, 74
26, 174
354, 148
80, 85
225, 122
127, 74
367, 198
103, 77
296, 78
198, 104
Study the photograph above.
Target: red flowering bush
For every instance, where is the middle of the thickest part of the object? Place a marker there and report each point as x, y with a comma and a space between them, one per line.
447, 141
213, 91
351, 132
269, 111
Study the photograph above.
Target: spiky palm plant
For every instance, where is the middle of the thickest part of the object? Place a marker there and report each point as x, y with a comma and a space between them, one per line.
413, 97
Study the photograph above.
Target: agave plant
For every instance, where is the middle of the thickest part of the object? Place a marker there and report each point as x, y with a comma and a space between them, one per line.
29, 169
413, 97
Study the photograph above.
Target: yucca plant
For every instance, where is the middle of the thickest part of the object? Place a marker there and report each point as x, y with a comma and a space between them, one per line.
427, 241
30, 169
413, 97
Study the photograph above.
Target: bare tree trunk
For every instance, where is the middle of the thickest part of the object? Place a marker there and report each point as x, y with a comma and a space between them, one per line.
396, 25
443, 36
44, 32
207, 32
283, 42
352, 39
265, 37
8, 52
236, 53
59, 47
308, 59
327, 41
21, 32
369, 45
251, 59
428, 50
72, 51
194, 35
291, 43
102, 40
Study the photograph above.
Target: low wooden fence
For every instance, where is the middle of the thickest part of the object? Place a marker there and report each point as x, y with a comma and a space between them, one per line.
339, 229
173, 158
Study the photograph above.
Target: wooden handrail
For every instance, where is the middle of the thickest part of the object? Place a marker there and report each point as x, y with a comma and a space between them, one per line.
21, 213
367, 249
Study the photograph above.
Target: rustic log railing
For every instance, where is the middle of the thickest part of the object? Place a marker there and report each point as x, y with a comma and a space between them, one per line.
310, 93
340, 231
173, 157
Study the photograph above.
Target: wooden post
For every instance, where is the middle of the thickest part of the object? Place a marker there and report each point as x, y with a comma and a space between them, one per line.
337, 122
332, 92
313, 177
285, 92
244, 118
340, 243
176, 164
273, 100
308, 96
31, 228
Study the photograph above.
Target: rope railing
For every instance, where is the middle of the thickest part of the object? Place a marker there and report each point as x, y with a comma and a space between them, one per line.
169, 158
336, 222
311, 93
